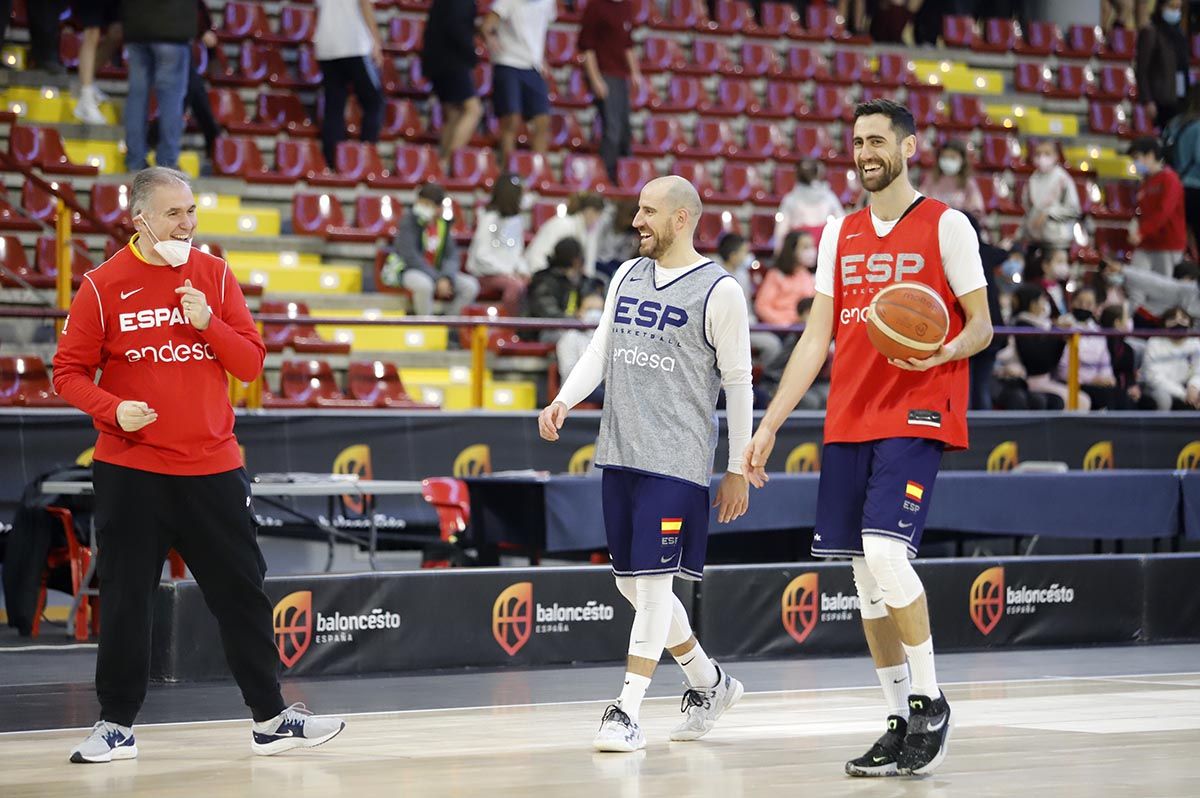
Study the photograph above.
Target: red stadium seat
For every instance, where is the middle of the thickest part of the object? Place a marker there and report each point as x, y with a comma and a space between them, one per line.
1073, 81
471, 169
286, 111
45, 259
13, 219
762, 231
999, 36
822, 23
812, 142
958, 31
378, 382
42, 147
314, 214
967, 112
735, 97
580, 173
578, 94
741, 182
1114, 83
230, 113
14, 260
712, 226
736, 17
712, 138
779, 19
643, 96
927, 107
416, 165
301, 159
531, 167
828, 103
632, 175
696, 173
783, 181
760, 60
401, 120
1141, 123
868, 94
565, 133
1120, 202
849, 67
1031, 78
763, 141
1081, 41
390, 78
660, 54
110, 203
1113, 241
43, 205
805, 63
309, 383
844, 184
999, 151
375, 217
450, 499
894, 70
683, 16
300, 336
295, 25
685, 93
1041, 38
643, 10
1120, 45
244, 21
415, 84
709, 57
1089, 194
255, 63
781, 101
239, 157
1107, 119
997, 197
560, 48
24, 382
663, 135
405, 35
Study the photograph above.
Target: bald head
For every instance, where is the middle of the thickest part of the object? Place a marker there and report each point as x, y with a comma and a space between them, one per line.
674, 193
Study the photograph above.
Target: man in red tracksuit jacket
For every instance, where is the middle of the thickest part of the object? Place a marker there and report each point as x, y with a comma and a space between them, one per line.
1160, 229
163, 322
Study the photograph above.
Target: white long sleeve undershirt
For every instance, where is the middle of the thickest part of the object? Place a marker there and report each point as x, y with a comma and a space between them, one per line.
727, 328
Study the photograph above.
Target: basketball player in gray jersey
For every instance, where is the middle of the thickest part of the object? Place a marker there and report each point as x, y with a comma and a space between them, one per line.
674, 332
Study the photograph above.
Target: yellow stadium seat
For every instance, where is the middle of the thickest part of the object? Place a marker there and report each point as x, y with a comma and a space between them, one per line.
255, 222
328, 278
381, 339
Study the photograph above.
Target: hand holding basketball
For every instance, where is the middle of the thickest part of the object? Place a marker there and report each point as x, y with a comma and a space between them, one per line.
551, 419
944, 354
908, 322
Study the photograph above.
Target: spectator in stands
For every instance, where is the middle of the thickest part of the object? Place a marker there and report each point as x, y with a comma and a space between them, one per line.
425, 257
554, 291
447, 59
1159, 230
1162, 61
197, 90
582, 221
733, 253
349, 51
573, 343
497, 253
611, 65
789, 281
1039, 355
616, 241
1051, 201
1127, 394
891, 19
983, 363
1055, 274
43, 33
1181, 142
951, 181
808, 206
101, 23
1172, 366
158, 37
1152, 295
515, 31
1095, 366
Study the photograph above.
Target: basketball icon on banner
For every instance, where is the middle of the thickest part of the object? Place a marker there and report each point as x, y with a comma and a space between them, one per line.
512, 617
473, 461
1004, 457
355, 460
987, 599
1189, 457
804, 459
581, 461
293, 621
1099, 457
800, 606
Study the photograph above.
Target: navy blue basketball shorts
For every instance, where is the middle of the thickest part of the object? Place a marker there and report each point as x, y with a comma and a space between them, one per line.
874, 488
655, 525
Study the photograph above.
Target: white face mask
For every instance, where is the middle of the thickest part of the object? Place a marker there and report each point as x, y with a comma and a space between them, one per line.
1044, 162
949, 165
592, 316
171, 250
1060, 270
807, 257
424, 213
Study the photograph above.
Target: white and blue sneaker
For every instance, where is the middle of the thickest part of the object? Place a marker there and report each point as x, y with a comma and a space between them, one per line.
703, 707
295, 727
618, 732
107, 742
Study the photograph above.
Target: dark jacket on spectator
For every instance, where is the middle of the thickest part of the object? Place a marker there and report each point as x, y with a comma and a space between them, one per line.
1039, 354
147, 21
411, 245
1161, 53
1124, 363
552, 295
449, 34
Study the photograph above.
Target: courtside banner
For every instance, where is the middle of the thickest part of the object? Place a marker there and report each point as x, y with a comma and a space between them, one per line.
403, 621
793, 610
1172, 598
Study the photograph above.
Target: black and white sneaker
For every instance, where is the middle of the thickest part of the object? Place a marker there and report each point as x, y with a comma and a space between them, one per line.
884, 756
928, 736
618, 732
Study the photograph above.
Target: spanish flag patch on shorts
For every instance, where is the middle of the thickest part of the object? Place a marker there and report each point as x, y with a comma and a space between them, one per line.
671, 526
914, 491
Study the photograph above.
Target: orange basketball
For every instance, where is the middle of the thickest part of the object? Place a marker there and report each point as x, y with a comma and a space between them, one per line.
907, 320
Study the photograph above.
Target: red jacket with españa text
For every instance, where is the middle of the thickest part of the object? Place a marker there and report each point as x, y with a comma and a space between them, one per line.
127, 322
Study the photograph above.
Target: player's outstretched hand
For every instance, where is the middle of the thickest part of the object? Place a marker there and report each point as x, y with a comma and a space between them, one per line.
944, 354
755, 458
551, 419
132, 416
733, 498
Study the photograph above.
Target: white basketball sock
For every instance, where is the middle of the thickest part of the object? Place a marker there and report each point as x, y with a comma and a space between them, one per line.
924, 675
632, 695
896, 687
700, 671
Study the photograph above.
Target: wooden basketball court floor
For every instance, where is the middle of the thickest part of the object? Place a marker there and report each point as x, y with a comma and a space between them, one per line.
1094, 722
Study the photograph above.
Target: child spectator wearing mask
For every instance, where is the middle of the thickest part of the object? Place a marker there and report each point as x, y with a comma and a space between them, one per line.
808, 206
1172, 366
1051, 202
1095, 366
789, 281
950, 181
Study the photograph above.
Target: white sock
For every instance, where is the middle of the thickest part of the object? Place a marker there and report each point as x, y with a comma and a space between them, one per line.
699, 670
632, 694
924, 677
895, 683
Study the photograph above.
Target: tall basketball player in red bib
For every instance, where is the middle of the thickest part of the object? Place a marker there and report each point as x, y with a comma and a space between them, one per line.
888, 420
